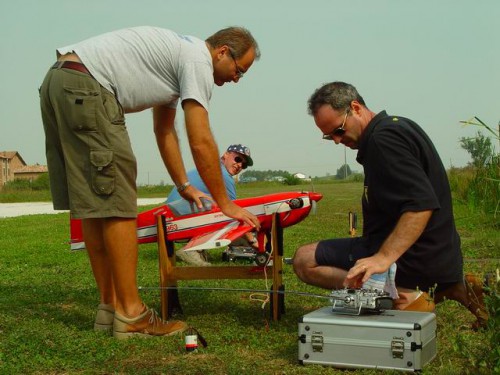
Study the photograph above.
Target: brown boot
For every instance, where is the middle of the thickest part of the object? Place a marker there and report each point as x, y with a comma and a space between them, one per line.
147, 324
475, 295
469, 293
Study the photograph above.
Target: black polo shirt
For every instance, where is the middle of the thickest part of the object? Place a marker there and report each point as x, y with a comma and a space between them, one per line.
403, 172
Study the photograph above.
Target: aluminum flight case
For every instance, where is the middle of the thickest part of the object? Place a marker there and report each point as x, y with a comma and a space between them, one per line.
393, 339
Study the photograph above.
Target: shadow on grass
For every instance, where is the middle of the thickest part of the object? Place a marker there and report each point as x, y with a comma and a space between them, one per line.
48, 304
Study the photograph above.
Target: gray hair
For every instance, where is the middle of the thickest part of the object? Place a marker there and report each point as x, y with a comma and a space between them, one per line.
238, 39
338, 95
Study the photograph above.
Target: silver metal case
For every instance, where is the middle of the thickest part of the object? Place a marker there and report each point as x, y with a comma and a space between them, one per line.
393, 339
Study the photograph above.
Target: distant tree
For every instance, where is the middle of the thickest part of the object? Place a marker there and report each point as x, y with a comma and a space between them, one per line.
483, 190
479, 148
18, 184
41, 183
291, 179
264, 175
343, 172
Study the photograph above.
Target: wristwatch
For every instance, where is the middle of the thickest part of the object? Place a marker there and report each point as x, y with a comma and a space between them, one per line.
181, 188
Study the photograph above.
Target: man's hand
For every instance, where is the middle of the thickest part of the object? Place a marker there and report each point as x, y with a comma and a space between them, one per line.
236, 212
231, 209
407, 230
192, 194
252, 240
364, 268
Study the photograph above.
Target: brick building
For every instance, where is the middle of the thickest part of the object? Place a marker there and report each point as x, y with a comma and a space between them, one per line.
12, 166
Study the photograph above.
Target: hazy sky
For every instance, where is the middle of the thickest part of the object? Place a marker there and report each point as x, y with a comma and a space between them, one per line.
436, 62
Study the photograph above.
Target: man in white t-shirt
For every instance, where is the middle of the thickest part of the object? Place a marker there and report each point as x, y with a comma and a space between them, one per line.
91, 165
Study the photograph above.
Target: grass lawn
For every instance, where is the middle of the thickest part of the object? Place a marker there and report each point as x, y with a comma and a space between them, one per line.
48, 300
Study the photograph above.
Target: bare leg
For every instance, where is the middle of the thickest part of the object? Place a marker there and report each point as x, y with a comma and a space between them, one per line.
94, 242
113, 256
307, 270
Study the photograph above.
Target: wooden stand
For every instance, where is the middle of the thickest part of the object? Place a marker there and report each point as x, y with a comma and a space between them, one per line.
170, 273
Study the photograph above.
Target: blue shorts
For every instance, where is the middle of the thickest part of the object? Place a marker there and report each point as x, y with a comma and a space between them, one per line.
343, 252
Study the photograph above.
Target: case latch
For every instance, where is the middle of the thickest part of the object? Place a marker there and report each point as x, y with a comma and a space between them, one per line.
397, 348
317, 343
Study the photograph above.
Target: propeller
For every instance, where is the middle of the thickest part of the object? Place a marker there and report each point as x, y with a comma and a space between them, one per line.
313, 207
314, 198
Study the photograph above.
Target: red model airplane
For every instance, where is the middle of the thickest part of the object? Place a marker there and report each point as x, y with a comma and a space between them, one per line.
210, 228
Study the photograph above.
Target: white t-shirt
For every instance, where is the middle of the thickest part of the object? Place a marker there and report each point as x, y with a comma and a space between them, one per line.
148, 66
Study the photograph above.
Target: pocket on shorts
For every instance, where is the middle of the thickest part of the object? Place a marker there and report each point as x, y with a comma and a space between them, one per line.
81, 108
103, 171
113, 109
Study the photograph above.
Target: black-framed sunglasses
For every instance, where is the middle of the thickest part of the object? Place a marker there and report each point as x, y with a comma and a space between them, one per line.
239, 159
339, 131
239, 72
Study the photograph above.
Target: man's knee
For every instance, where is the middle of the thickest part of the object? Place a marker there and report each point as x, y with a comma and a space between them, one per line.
303, 260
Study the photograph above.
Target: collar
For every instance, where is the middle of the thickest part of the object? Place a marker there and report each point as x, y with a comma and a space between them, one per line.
363, 143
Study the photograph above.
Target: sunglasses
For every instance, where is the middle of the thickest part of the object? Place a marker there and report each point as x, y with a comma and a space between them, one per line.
339, 131
239, 159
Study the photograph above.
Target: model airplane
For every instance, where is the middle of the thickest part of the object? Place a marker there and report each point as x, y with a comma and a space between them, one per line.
210, 228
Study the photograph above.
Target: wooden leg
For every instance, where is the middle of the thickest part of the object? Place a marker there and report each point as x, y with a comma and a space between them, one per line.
162, 260
169, 297
170, 273
174, 304
278, 297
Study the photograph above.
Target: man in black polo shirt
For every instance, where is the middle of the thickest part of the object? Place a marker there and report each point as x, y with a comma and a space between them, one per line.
407, 210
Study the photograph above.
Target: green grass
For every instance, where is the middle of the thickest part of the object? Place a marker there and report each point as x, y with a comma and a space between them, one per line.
12, 195
48, 301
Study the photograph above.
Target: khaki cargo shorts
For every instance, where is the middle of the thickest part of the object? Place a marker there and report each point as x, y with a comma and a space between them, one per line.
91, 165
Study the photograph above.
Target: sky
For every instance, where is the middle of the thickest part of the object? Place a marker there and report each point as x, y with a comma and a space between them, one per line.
436, 62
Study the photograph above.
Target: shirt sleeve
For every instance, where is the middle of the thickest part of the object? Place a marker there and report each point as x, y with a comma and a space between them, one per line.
401, 183
196, 82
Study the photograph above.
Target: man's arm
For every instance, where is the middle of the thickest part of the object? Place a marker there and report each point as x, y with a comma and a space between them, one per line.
206, 157
408, 229
168, 144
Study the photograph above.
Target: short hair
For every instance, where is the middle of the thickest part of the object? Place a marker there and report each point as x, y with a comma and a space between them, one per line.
338, 95
238, 39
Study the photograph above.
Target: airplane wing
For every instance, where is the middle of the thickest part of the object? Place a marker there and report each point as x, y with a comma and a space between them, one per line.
219, 238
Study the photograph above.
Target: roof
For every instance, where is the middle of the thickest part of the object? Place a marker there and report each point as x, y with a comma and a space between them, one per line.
32, 169
7, 154
10, 155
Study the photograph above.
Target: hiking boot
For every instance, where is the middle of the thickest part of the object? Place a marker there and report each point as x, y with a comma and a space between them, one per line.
422, 303
104, 318
414, 301
147, 324
475, 296
469, 293
194, 258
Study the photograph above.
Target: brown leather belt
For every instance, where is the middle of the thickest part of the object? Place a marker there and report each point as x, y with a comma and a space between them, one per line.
71, 65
